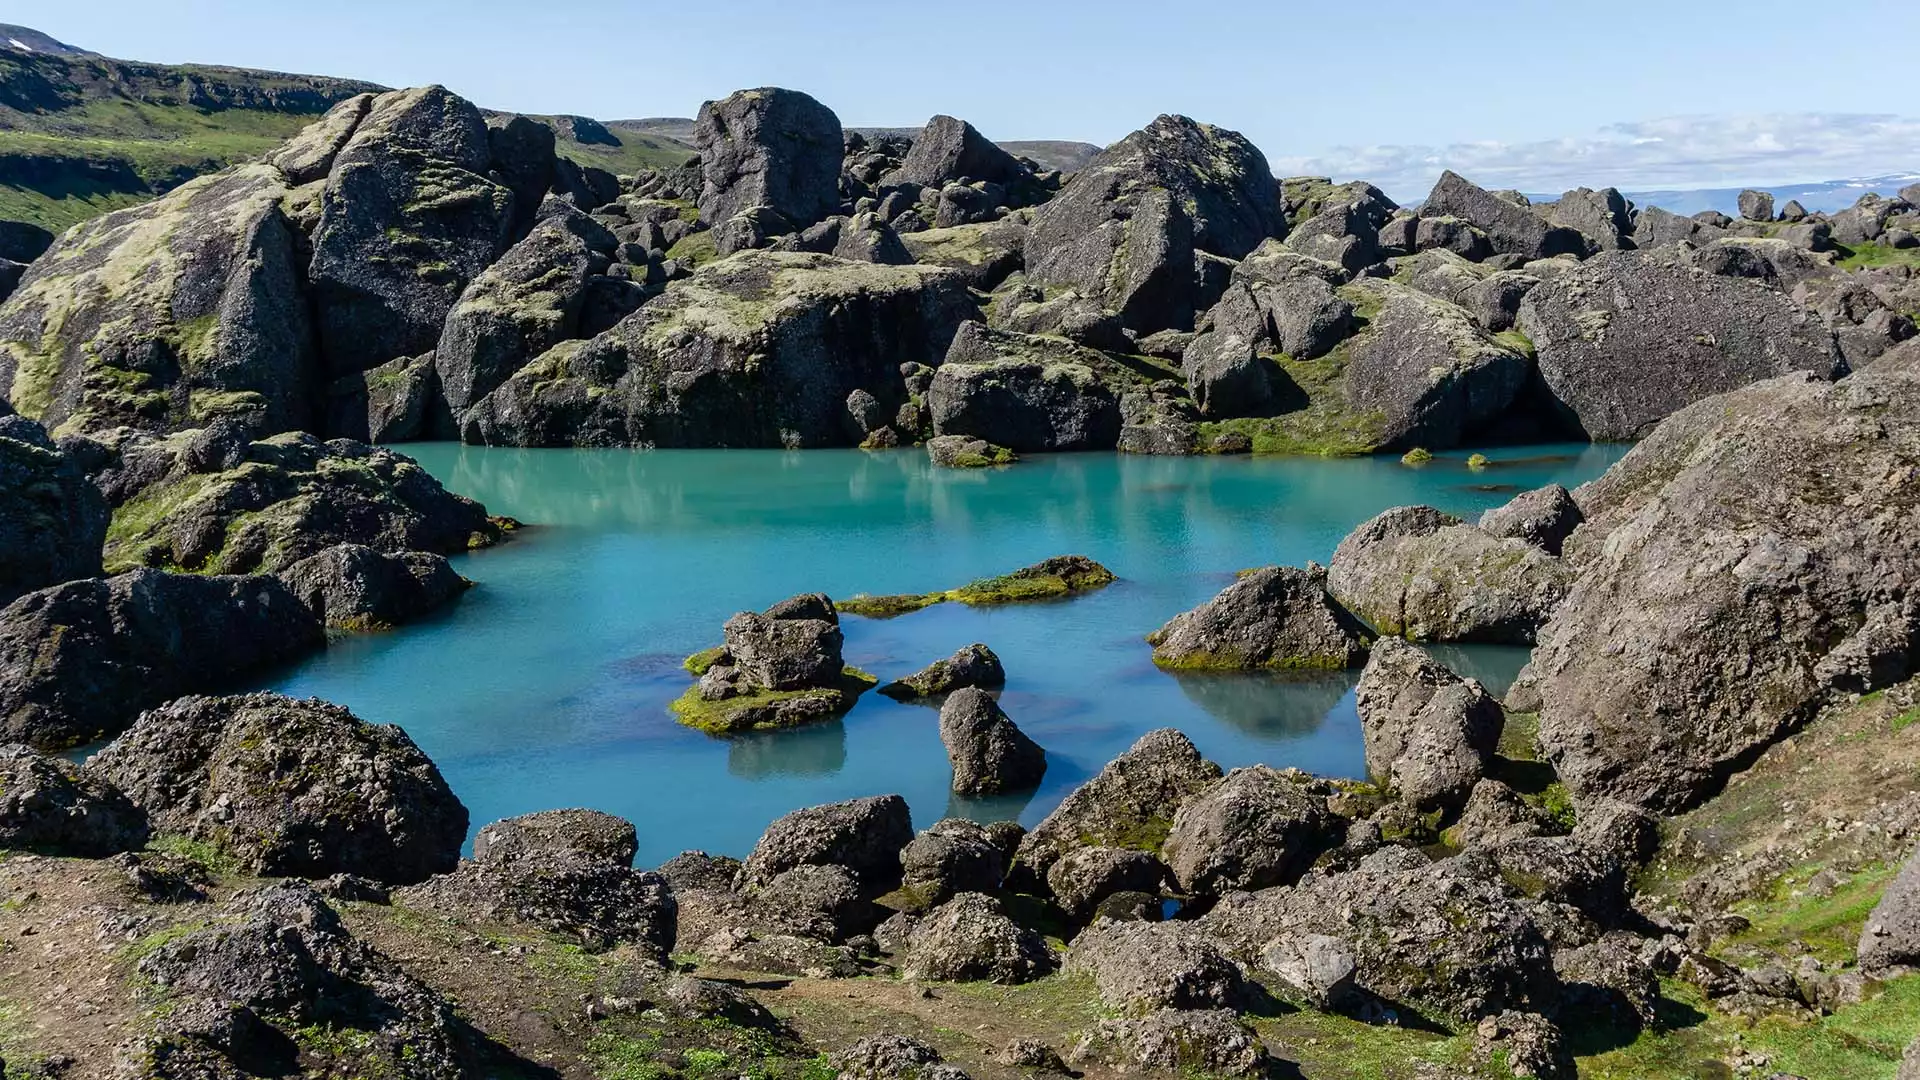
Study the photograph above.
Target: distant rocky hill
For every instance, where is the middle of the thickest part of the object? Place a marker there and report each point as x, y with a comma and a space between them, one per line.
1065, 156
1827, 196
27, 39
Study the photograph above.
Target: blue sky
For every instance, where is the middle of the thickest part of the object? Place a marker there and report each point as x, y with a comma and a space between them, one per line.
1527, 93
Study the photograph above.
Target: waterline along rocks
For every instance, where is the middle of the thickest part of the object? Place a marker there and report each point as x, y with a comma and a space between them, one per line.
1682, 842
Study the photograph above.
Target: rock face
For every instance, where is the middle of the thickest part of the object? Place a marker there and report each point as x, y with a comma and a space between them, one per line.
1512, 228
353, 587
1429, 734
1130, 804
1605, 217
989, 754
289, 788
949, 150
1543, 517
408, 218
1277, 618
1130, 227
1625, 339
1743, 562
1432, 376
53, 521
1892, 934
969, 939
1443, 938
1417, 573
972, 666
166, 315
1085, 877
78, 661
1027, 393
761, 349
863, 835
1258, 828
768, 147
222, 504
50, 805
519, 307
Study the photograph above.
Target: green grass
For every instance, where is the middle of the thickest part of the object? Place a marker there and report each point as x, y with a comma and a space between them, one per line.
216, 859
634, 154
694, 249
699, 663
1791, 919
621, 1057
1325, 425
1047, 580
1861, 256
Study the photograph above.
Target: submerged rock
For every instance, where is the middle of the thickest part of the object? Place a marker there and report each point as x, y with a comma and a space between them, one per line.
1277, 617
79, 661
972, 666
1130, 804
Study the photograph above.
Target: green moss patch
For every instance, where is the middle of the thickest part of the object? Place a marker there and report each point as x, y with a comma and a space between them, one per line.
771, 710
698, 664
1052, 579
1325, 426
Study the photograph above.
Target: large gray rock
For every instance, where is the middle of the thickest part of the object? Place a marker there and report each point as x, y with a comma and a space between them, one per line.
768, 147
1130, 803
952, 857
1085, 877
990, 755
1627, 338
1432, 375
1604, 217
50, 805
1491, 298
1654, 227
1892, 934
1126, 230
1742, 564
1206, 1042
353, 587
1258, 828
1414, 572
1446, 939
409, 217
1543, 517
53, 520
1429, 734
1277, 618
585, 833
1140, 967
78, 661
949, 149
760, 349
289, 788
386, 404
519, 307
1027, 393
972, 665
166, 315
1512, 228
969, 939
863, 835
1756, 205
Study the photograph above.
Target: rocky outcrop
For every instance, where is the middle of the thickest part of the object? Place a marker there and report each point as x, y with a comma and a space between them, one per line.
954, 856
1258, 828
950, 150
409, 216
1132, 229
1212, 1042
1604, 217
289, 788
394, 402
863, 835
986, 254
565, 871
769, 147
1027, 393
1429, 734
1511, 227
1139, 968
1130, 804
971, 666
1742, 563
969, 939
761, 349
779, 668
218, 503
1543, 517
78, 661
1626, 339
1432, 377
989, 753
167, 315
53, 806
353, 587
1414, 572
1275, 618
1891, 936
519, 307
962, 452
53, 521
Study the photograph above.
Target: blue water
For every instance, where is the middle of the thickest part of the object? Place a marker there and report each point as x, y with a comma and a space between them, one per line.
548, 684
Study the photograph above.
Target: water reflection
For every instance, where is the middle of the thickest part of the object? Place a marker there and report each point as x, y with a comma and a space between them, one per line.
1266, 706
814, 750
1495, 666
987, 809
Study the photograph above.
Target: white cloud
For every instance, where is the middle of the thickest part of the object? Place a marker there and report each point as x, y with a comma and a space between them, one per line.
1672, 152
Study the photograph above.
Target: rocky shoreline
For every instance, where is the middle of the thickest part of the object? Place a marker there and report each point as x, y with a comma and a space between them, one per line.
1686, 836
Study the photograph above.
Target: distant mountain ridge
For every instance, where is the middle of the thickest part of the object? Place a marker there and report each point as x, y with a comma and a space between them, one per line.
27, 39
1825, 196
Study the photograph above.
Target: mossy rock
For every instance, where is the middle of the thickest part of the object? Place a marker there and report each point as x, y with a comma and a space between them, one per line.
1051, 579
771, 710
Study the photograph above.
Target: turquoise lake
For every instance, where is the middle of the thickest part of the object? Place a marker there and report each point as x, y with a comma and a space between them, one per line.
547, 685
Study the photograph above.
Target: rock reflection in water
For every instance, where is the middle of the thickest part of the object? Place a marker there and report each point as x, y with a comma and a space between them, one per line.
814, 750
1269, 706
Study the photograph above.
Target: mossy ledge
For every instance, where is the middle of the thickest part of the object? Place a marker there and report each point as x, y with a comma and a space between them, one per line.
770, 710
1049, 579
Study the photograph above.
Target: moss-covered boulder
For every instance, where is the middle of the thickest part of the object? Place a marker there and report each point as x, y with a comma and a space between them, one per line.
1431, 374
986, 254
962, 452
167, 315
79, 661
351, 587
1130, 804
1028, 393
1049, 579
768, 147
763, 348
263, 506
1129, 229
779, 668
53, 520
1274, 618
408, 217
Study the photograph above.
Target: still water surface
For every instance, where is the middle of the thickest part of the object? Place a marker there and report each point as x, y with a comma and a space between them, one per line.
548, 684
